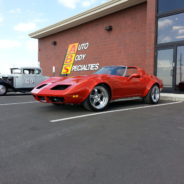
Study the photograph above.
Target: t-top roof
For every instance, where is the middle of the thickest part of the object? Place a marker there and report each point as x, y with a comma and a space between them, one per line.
107, 8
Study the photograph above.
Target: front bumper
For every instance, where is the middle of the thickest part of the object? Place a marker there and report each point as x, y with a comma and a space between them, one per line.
60, 97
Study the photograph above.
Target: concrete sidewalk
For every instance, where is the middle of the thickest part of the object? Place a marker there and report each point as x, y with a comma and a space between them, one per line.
172, 96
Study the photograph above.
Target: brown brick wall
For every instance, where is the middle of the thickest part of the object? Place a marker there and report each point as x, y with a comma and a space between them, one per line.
150, 37
127, 44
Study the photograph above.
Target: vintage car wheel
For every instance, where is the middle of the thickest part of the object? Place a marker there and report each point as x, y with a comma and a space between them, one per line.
153, 96
3, 90
98, 99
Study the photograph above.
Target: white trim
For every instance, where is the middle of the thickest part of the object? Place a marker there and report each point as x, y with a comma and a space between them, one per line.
107, 112
21, 103
92, 14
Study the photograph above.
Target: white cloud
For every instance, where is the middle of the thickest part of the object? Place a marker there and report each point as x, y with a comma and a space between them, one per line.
40, 20
165, 39
32, 45
180, 37
177, 28
164, 23
73, 3
5, 68
69, 3
25, 27
15, 11
181, 31
88, 3
104, 1
164, 63
8, 44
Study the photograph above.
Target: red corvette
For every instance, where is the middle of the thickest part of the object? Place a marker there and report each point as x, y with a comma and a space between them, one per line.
97, 90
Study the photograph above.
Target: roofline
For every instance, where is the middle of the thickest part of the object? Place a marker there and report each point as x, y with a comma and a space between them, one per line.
89, 15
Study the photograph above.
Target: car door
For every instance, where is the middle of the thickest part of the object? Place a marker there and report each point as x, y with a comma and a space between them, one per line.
17, 77
24, 78
135, 82
28, 78
119, 86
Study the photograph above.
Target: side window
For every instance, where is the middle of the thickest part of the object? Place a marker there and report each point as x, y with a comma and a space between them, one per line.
37, 71
31, 71
16, 71
25, 71
28, 71
130, 71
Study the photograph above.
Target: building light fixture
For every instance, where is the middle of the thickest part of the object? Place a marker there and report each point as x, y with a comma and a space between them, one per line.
54, 43
108, 28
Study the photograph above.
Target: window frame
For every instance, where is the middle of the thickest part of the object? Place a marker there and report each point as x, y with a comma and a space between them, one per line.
129, 69
167, 45
168, 13
162, 15
157, 32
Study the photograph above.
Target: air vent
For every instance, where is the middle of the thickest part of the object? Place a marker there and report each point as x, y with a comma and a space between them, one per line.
39, 87
56, 99
60, 87
41, 98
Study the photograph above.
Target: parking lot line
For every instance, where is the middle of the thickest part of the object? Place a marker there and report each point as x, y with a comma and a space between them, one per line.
112, 111
18, 103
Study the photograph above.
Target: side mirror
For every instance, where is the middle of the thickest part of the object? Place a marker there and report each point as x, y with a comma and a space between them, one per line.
134, 75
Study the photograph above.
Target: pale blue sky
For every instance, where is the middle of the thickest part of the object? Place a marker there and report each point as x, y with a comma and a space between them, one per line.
18, 18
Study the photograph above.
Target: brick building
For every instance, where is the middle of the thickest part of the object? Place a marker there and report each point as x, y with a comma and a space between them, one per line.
145, 33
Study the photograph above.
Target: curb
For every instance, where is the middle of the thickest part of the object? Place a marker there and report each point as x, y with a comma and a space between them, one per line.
172, 96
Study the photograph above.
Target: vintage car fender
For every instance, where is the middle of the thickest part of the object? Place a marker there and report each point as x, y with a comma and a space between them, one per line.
6, 84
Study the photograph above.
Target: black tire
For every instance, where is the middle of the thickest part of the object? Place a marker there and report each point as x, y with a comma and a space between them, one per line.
153, 95
3, 90
98, 99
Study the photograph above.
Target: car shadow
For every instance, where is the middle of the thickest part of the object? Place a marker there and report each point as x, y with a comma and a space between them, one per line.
125, 104
80, 108
63, 108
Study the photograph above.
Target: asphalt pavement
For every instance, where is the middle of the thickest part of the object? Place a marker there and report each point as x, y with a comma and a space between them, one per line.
131, 143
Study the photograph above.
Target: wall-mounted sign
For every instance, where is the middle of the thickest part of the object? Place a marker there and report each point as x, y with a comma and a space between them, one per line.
69, 59
87, 67
72, 57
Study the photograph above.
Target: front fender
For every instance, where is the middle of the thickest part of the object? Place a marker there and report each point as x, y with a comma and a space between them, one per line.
2, 82
149, 86
85, 88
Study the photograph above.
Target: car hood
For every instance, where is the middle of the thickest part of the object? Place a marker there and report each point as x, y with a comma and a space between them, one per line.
73, 80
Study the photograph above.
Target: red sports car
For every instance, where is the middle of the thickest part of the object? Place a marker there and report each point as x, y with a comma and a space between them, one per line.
97, 90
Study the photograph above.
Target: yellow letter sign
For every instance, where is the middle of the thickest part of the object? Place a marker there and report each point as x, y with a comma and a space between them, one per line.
69, 59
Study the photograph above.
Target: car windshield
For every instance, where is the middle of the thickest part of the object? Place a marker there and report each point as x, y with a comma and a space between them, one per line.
112, 70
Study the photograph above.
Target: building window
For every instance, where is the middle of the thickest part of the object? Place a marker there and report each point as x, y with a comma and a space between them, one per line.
165, 6
165, 66
180, 68
171, 28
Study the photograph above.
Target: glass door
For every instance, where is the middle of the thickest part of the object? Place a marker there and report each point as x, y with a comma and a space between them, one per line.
180, 68
165, 66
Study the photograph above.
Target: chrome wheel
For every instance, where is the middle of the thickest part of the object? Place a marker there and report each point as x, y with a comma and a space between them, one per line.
155, 94
99, 97
2, 90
